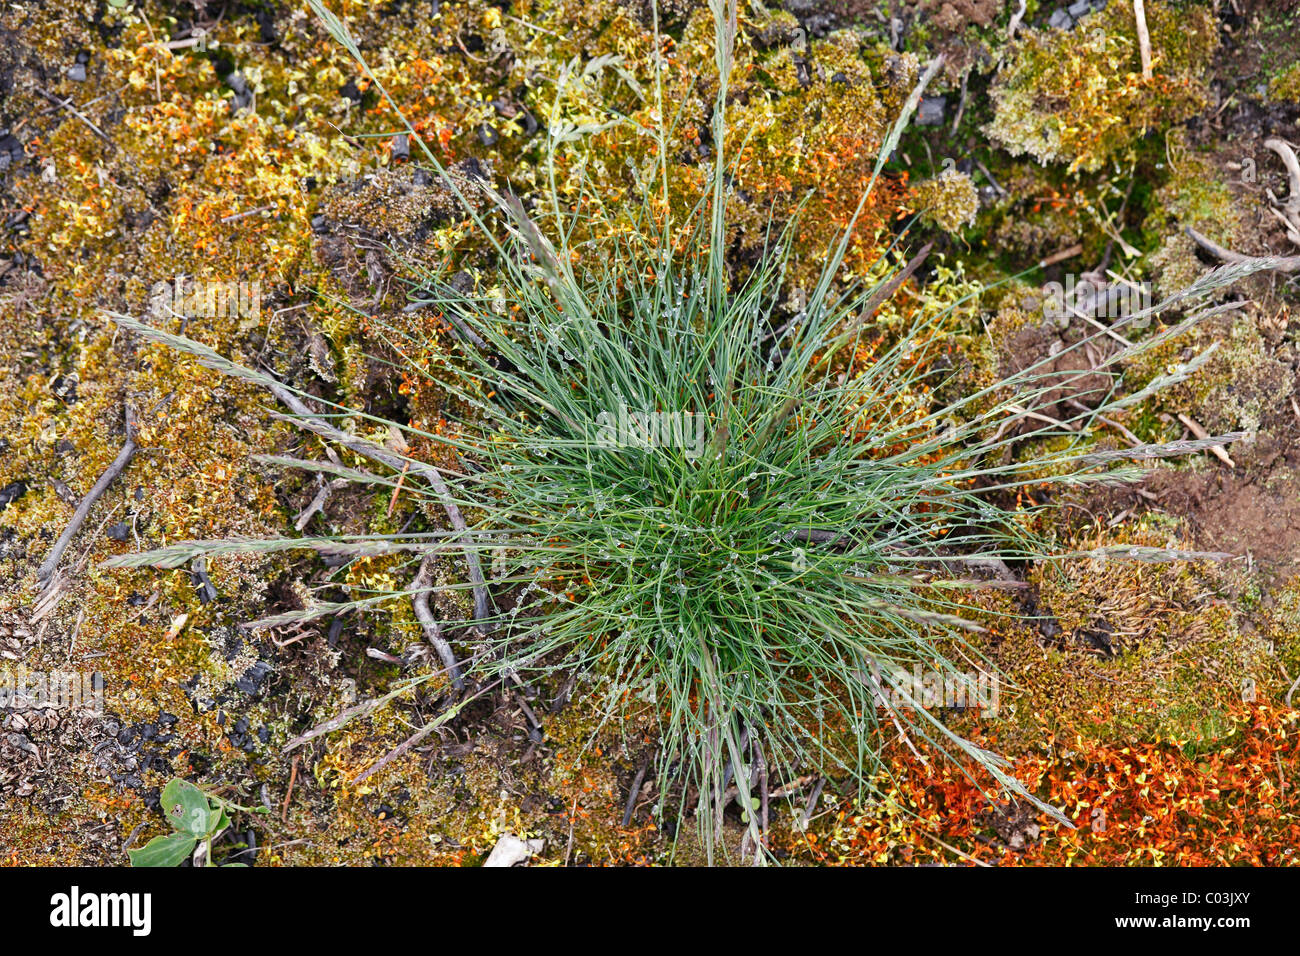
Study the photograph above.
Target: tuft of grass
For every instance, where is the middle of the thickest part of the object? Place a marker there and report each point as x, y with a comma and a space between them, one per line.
756, 523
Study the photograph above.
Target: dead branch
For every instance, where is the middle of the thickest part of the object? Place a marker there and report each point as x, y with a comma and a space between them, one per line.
1288, 211
432, 630
1144, 37
1278, 263
1202, 435
79, 516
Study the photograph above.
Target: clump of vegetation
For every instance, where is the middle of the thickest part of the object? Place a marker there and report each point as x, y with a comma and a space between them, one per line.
748, 525
950, 200
1079, 97
197, 818
1285, 87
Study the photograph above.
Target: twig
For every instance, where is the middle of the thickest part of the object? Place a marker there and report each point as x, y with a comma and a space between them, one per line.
1015, 20
895, 281
318, 502
397, 490
1279, 263
1216, 450
639, 779
397, 751
67, 105
811, 805
989, 176
432, 630
334, 723
1061, 256
293, 777
1132, 439
83, 510
573, 816
361, 446
1144, 37
961, 105
247, 212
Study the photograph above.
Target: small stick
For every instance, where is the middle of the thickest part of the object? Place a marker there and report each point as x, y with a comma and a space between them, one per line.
432, 630
961, 105
989, 176
397, 490
1216, 450
636, 791
887, 290
1280, 263
811, 805
247, 212
397, 751
1015, 20
1061, 256
293, 776
67, 105
83, 510
1144, 37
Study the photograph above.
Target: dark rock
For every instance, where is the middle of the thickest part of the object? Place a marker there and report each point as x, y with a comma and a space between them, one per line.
931, 111
12, 492
401, 147
77, 73
243, 95
253, 678
120, 531
487, 135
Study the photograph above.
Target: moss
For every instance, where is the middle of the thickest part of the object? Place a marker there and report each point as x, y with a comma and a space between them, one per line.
1195, 196
1079, 97
950, 200
1285, 86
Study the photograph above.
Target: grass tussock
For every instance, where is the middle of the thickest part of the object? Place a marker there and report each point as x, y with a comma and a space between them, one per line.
751, 521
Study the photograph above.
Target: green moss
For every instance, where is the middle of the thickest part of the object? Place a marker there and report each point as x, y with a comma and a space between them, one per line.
950, 200
1079, 97
1285, 87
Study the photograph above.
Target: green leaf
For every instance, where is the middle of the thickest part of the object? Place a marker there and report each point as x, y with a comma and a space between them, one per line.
170, 850
186, 807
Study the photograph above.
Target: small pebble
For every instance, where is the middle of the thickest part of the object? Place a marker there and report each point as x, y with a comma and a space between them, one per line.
931, 111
